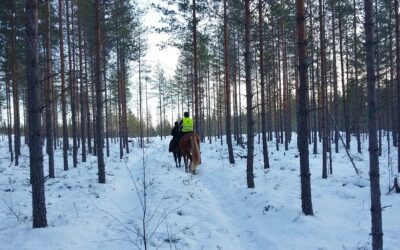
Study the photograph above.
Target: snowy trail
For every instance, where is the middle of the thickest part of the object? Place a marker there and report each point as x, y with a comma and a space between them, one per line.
233, 205
211, 210
207, 226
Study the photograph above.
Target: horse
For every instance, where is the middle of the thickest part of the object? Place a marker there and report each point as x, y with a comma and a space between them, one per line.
189, 146
174, 148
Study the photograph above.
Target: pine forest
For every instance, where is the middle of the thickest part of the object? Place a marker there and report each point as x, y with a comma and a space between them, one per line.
199, 124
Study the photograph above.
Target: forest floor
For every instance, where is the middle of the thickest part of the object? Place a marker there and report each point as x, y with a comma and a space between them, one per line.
211, 210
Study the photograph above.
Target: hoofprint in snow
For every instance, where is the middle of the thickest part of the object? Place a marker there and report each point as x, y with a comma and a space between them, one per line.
211, 210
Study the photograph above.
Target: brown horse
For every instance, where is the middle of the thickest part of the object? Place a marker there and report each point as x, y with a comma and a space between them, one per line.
189, 146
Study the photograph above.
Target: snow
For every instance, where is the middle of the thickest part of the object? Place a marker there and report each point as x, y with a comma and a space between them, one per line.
211, 210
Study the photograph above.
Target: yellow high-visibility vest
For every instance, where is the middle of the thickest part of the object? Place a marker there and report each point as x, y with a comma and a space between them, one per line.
187, 124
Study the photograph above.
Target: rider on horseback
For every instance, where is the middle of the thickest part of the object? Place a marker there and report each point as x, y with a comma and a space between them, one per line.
186, 125
182, 126
186, 143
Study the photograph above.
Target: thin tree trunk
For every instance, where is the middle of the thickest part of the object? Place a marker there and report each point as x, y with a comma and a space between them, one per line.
195, 71
147, 113
49, 108
119, 103
263, 102
376, 209
71, 75
249, 96
82, 94
124, 108
275, 94
227, 89
392, 85
63, 89
285, 82
235, 97
335, 80
9, 130
106, 102
314, 99
323, 92
17, 130
87, 106
94, 100
99, 99
344, 92
35, 140
397, 17
357, 96
306, 202
140, 96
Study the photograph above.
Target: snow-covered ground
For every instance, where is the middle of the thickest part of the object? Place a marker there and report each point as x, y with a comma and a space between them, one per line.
211, 210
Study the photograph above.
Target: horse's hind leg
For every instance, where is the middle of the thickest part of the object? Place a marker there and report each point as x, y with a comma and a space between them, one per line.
176, 160
185, 160
191, 163
180, 159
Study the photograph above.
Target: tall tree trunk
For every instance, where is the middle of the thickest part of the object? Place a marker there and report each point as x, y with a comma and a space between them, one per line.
314, 99
9, 130
195, 71
249, 95
323, 91
124, 108
275, 94
240, 96
87, 106
140, 95
34, 113
208, 98
99, 98
119, 103
148, 114
235, 96
335, 81
262, 82
392, 88
17, 131
397, 16
106, 102
63, 89
285, 82
306, 202
357, 96
376, 209
380, 118
49, 88
227, 89
344, 92
82, 94
71, 78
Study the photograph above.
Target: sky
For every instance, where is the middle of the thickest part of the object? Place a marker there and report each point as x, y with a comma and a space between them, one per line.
167, 57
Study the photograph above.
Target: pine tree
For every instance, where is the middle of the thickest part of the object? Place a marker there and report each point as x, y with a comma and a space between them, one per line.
376, 209
227, 88
249, 96
306, 203
99, 97
35, 140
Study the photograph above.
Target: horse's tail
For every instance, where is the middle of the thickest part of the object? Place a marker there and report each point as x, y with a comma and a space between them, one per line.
195, 152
